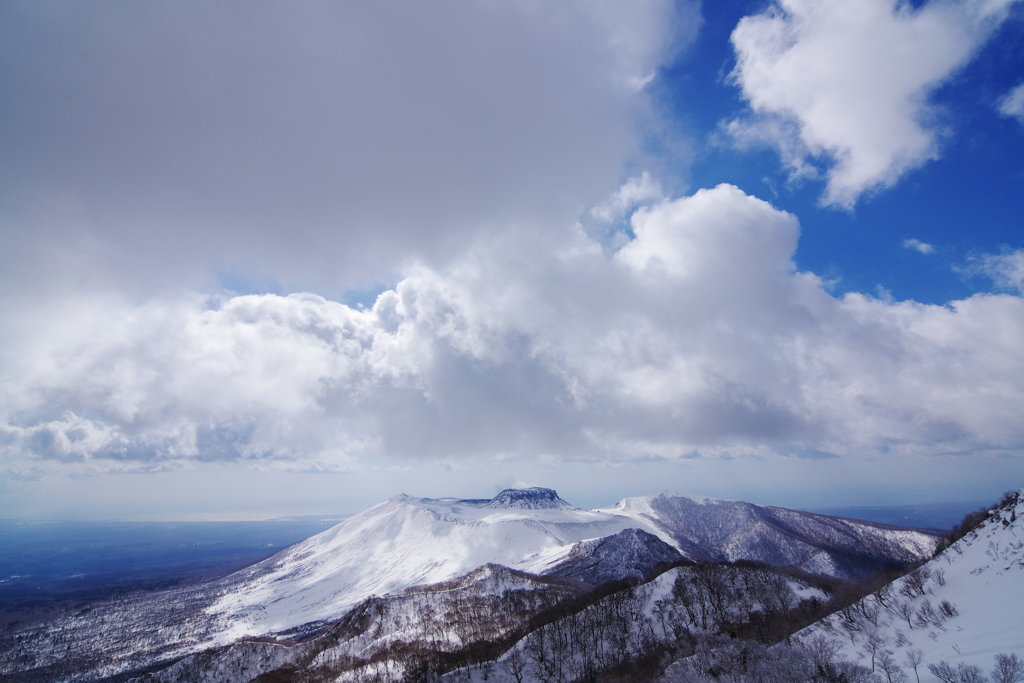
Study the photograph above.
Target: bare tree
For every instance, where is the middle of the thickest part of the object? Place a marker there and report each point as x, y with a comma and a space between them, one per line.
515, 664
874, 645
926, 615
970, 673
913, 660
821, 649
854, 673
905, 610
871, 611
893, 672
916, 582
944, 672
884, 595
962, 673
1008, 669
850, 621
535, 648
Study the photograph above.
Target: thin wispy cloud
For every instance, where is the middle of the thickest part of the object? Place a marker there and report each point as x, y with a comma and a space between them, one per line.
1012, 104
1005, 270
918, 246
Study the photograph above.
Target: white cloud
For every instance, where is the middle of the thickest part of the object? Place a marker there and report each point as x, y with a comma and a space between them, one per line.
1012, 104
642, 189
918, 246
1006, 270
841, 87
696, 337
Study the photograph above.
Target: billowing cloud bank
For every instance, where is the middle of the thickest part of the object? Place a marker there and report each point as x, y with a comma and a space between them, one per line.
842, 88
698, 337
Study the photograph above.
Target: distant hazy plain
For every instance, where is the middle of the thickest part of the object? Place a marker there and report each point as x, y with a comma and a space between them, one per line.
55, 559
49, 559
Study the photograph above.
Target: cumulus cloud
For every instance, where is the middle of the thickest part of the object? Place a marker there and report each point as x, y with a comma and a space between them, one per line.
842, 88
1012, 104
698, 337
918, 246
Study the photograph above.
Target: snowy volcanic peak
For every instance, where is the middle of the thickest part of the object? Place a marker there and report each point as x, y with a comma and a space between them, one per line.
535, 498
408, 541
401, 543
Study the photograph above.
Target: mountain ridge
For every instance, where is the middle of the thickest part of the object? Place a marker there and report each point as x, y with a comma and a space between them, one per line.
409, 541
441, 567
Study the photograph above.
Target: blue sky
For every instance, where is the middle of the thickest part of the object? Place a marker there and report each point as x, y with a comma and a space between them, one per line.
969, 201
273, 259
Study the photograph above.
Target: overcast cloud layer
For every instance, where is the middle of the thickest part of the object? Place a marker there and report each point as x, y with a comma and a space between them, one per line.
842, 88
314, 144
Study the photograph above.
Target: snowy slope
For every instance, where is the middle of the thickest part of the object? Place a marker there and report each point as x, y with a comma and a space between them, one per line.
408, 541
486, 604
981, 577
629, 554
728, 530
403, 542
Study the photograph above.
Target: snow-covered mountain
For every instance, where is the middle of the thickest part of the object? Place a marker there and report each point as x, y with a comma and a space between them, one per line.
555, 629
963, 607
699, 623
629, 554
394, 632
413, 578
407, 541
716, 530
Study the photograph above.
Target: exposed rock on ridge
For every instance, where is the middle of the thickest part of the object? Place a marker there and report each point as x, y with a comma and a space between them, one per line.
535, 498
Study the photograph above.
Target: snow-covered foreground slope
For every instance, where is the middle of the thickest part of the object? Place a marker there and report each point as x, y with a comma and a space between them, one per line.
408, 541
964, 606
